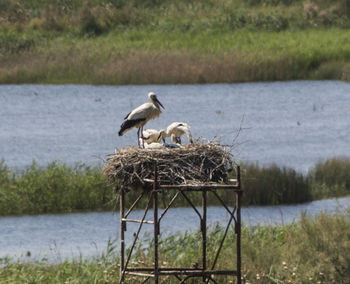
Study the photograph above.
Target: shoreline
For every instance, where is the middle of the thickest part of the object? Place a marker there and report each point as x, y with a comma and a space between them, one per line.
60, 188
311, 250
172, 58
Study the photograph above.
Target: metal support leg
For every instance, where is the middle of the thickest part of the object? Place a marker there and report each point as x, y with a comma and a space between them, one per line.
135, 239
182, 274
122, 235
156, 226
204, 232
238, 226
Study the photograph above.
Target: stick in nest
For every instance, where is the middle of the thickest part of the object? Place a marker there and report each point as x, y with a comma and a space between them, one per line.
196, 163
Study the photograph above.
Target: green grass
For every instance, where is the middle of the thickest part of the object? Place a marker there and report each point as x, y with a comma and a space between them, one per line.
159, 42
61, 188
55, 188
330, 177
312, 250
142, 56
274, 185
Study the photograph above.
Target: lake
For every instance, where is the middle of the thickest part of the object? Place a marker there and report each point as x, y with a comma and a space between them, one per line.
288, 123
291, 124
60, 236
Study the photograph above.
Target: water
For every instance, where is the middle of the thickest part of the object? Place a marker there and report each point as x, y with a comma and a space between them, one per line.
58, 237
289, 123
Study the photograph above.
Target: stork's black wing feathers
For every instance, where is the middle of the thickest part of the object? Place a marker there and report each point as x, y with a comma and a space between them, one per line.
128, 124
127, 115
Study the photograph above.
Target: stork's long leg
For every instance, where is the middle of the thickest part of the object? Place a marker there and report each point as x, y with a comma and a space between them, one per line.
143, 142
138, 137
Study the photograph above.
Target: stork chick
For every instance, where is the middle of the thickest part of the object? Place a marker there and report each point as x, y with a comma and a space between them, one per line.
153, 136
177, 129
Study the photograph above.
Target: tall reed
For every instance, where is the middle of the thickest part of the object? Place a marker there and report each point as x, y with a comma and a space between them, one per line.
330, 177
273, 185
62, 188
55, 188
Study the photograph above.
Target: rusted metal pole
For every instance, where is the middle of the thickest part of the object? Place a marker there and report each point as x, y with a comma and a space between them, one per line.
238, 225
156, 226
122, 235
204, 233
192, 205
137, 221
167, 208
136, 236
134, 204
224, 205
221, 243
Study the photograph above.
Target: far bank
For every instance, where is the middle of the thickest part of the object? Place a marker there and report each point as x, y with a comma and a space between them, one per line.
144, 56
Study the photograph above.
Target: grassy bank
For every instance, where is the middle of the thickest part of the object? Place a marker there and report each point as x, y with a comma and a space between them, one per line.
309, 251
53, 189
143, 42
61, 188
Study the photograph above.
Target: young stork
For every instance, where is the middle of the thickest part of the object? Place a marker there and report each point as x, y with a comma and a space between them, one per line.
141, 115
153, 136
177, 129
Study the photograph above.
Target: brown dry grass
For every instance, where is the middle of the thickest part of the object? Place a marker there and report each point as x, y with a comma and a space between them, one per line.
141, 67
99, 62
164, 67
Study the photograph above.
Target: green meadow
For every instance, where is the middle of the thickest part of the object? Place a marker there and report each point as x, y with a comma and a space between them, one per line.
162, 41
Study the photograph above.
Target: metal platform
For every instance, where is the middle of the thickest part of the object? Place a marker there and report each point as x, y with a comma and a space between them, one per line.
206, 269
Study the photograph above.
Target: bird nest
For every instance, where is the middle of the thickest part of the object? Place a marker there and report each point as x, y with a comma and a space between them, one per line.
194, 164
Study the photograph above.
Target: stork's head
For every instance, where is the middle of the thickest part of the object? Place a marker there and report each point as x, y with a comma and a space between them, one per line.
152, 96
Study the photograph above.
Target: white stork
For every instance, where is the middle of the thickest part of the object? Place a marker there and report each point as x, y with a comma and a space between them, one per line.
177, 129
154, 146
153, 136
141, 115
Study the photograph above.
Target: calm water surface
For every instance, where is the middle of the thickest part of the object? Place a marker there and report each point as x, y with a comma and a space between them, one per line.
57, 237
288, 123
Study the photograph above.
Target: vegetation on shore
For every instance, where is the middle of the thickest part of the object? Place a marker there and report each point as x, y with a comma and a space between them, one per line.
312, 250
61, 188
53, 189
187, 41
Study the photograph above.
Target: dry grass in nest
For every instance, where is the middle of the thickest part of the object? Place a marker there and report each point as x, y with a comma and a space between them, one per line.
196, 163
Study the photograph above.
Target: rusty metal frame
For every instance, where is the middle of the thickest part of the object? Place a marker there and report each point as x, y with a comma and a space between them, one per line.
182, 274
